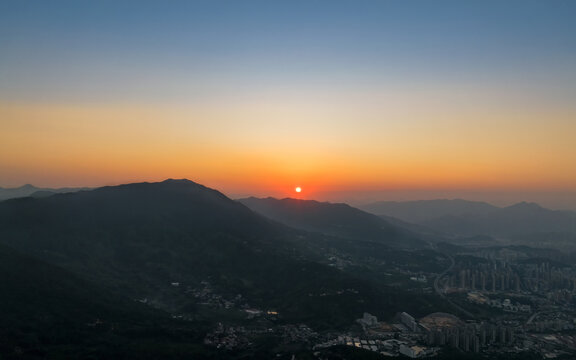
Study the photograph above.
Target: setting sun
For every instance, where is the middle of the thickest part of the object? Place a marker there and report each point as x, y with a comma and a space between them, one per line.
298, 189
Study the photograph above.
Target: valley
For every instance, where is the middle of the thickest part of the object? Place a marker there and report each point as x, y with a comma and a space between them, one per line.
265, 276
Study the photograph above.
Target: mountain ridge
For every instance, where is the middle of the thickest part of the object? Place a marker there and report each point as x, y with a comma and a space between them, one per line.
336, 219
140, 238
29, 190
419, 211
522, 223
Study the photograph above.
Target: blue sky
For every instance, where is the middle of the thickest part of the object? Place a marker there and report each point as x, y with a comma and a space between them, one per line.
78, 50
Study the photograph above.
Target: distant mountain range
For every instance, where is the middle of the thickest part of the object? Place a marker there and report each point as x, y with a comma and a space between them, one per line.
523, 222
31, 190
339, 220
422, 211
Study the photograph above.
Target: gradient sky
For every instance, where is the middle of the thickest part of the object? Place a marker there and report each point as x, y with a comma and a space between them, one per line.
257, 97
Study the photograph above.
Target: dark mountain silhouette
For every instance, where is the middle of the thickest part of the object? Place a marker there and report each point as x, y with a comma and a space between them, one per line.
34, 289
339, 220
139, 238
46, 310
30, 190
425, 210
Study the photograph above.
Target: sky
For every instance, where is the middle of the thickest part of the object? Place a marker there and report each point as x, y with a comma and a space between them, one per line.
347, 99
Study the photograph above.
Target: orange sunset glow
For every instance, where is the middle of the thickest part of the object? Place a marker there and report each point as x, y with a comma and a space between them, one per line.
83, 145
343, 118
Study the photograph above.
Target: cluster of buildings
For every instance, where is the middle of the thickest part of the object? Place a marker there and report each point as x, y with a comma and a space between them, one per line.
206, 295
551, 346
562, 296
402, 337
544, 277
505, 305
472, 337
484, 278
426, 336
542, 296
550, 321
387, 347
230, 337
296, 333
419, 278
519, 277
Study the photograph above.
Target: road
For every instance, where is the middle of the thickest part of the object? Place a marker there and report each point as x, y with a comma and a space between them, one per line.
532, 318
437, 280
441, 293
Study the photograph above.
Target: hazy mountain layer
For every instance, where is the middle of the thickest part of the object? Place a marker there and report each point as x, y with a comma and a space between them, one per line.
339, 220
425, 210
30, 190
522, 218
522, 223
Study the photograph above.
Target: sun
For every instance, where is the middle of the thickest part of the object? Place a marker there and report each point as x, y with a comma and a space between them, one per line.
298, 189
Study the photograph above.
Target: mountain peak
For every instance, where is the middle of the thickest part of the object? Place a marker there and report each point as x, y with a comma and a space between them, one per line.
168, 183
526, 206
27, 187
179, 181
294, 200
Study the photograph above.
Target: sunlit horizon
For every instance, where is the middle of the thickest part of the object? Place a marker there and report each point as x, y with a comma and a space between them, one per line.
347, 101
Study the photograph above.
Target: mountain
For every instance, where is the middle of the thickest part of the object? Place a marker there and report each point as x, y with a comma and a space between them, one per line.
478, 223
30, 190
339, 220
46, 310
518, 219
425, 210
139, 239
